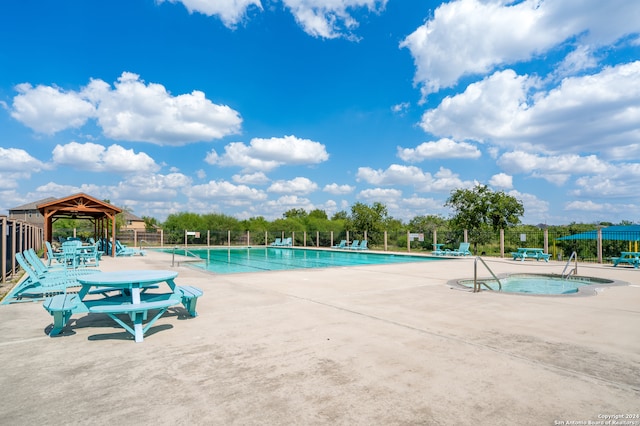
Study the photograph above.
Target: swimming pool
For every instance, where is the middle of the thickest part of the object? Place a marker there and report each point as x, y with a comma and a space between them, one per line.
540, 284
258, 259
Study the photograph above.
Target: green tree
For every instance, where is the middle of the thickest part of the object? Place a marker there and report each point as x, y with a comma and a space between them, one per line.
372, 219
341, 215
150, 223
427, 223
293, 213
318, 214
481, 211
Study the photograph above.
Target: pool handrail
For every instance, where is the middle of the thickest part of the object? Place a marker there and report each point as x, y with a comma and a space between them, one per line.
573, 271
476, 285
186, 252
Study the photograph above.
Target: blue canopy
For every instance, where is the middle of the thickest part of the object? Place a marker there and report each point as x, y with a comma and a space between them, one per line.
615, 233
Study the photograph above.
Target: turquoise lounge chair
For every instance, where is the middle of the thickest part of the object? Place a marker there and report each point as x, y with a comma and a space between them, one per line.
45, 271
343, 244
35, 285
122, 250
363, 246
355, 245
277, 242
463, 250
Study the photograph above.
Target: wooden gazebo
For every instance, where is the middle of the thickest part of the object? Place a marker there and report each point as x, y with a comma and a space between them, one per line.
81, 206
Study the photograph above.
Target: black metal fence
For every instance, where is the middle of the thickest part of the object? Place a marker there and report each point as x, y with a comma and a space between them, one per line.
17, 236
496, 244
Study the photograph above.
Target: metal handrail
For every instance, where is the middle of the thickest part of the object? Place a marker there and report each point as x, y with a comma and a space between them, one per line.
476, 285
573, 256
173, 256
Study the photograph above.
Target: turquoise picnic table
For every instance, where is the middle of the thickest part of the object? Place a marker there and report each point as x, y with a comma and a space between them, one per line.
630, 257
530, 252
124, 292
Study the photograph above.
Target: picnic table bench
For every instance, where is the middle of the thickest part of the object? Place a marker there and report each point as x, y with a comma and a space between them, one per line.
630, 257
131, 299
528, 252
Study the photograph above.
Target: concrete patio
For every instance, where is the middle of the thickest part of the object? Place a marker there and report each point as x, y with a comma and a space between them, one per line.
368, 345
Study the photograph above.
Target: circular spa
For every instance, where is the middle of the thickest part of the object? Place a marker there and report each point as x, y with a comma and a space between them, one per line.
538, 284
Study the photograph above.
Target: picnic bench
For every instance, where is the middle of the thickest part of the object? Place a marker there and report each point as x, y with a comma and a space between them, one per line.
630, 257
131, 298
528, 252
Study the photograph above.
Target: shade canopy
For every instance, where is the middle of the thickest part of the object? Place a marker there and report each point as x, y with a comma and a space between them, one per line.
610, 233
80, 206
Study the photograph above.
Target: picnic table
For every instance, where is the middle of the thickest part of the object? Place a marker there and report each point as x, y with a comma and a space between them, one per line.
529, 252
630, 257
123, 292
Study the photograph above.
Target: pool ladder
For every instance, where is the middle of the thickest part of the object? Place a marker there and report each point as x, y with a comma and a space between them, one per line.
573, 271
478, 284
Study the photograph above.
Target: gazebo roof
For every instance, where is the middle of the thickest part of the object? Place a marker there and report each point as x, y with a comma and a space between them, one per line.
78, 206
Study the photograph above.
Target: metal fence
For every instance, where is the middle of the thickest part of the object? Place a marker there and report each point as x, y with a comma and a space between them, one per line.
17, 236
497, 244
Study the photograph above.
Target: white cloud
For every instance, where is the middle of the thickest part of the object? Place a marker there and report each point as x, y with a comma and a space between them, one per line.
443, 180
420, 203
19, 160
17, 165
257, 178
523, 162
535, 209
267, 154
443, 148
298, 185
446, 181
467, 37
133, 111
230, 12
139, 112
382, 195
287, 202
485, 110
580, 59
410, 207
585, 205
318, 18
50, 109
501, 180
52, 189
225, 191
151, 187
96, 158
619, 180
395, 174
329, 19
596, 112
401, 108
334, 188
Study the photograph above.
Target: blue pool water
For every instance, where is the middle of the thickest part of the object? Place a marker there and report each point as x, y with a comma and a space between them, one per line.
257, 259
539, 283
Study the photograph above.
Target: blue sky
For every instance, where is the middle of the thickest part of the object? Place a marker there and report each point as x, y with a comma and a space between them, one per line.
254, 107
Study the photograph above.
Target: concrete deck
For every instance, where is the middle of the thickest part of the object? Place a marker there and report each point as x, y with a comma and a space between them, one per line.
370, 345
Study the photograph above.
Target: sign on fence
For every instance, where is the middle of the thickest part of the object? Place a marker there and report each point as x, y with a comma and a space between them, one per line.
416, 236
